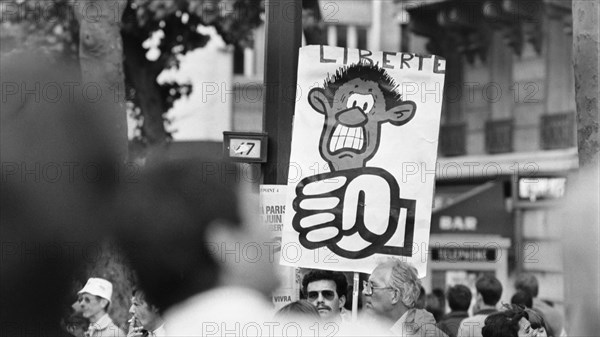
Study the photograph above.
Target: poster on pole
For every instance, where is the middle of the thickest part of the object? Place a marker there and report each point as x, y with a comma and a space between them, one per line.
363, 158
272, 210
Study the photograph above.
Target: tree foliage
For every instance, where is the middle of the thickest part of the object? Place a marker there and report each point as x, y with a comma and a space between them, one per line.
178, 20
49, 25
52, 25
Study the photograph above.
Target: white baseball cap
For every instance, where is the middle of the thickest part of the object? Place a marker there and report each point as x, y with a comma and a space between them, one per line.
98, 287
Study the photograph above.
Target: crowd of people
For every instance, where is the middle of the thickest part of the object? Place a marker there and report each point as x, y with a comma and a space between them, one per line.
390, 307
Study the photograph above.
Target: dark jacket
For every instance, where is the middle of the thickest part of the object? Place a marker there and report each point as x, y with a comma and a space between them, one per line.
450, 322
417, 322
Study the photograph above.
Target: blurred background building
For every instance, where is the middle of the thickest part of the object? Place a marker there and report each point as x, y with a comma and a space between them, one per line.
508, 114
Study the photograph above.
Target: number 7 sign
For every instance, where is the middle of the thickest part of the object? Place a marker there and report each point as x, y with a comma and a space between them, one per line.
245, 146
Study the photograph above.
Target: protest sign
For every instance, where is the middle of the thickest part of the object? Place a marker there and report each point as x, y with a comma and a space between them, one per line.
362, 163
272, 209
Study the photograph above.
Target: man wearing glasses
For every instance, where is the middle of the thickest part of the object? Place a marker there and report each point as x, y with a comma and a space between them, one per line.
326, 290
390, 297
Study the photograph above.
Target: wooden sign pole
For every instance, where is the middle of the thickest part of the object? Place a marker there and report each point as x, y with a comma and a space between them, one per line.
283, 39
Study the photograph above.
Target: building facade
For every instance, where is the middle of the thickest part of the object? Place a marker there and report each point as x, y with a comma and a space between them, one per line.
508, 115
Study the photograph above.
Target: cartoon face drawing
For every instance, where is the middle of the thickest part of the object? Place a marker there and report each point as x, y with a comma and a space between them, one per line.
356, 101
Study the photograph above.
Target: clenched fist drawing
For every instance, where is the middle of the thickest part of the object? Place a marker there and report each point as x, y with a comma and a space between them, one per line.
352, 212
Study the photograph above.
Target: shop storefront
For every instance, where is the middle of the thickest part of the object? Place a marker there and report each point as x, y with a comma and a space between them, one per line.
471, 235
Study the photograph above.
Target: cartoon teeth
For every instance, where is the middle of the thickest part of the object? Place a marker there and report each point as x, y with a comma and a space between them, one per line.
345, 137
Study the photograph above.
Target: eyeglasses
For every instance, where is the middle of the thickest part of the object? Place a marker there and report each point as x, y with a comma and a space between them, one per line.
327, 294
368, 287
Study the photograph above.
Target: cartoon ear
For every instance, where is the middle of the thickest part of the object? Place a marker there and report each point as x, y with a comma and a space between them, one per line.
402, 113
318, 100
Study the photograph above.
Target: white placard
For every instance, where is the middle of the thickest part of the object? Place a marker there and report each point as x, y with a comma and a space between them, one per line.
362, 163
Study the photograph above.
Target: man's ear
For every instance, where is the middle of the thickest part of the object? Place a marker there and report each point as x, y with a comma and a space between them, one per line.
318, 100
103, 302
397, 296
342, 301
401, 113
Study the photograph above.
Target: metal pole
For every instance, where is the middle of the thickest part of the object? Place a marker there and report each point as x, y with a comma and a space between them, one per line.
283, 39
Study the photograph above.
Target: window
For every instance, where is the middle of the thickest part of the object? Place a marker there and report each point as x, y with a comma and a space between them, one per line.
362, 37
238, 60
342, 36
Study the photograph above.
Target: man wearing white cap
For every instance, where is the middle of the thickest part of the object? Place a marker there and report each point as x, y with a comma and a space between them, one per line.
94, 300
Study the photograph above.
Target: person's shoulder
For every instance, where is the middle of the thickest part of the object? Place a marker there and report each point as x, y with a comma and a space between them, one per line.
359, 328
471, 325
112, 330
550, 313
218, 311
475, 318
118, 331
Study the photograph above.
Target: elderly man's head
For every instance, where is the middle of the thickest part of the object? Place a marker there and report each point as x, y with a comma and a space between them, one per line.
392, 289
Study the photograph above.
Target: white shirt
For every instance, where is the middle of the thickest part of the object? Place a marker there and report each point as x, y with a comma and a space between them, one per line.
159, 332
104, 327
224, 311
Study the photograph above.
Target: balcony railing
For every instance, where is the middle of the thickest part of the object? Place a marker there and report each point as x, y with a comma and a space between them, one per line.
558, 131
499, 136
452, 140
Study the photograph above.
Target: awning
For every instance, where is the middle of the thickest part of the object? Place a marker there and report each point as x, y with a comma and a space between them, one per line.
472, 210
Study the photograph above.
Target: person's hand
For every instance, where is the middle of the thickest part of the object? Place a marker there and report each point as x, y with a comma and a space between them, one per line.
352, 212
137, 331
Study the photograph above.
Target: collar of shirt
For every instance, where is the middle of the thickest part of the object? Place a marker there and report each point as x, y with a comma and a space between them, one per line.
346, 315
454, 314
399, 325
412, 321
486, 311
159, 332
101, 324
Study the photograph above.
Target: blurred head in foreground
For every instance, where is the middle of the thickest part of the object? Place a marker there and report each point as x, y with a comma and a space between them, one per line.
301, 310
194, 226
54, 178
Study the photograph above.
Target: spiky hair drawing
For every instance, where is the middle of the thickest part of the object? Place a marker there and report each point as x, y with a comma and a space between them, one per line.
367, 72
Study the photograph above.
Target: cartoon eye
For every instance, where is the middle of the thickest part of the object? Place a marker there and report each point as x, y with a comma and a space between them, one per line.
364, 102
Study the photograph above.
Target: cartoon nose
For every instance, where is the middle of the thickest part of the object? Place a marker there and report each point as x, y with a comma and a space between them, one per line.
352, 117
